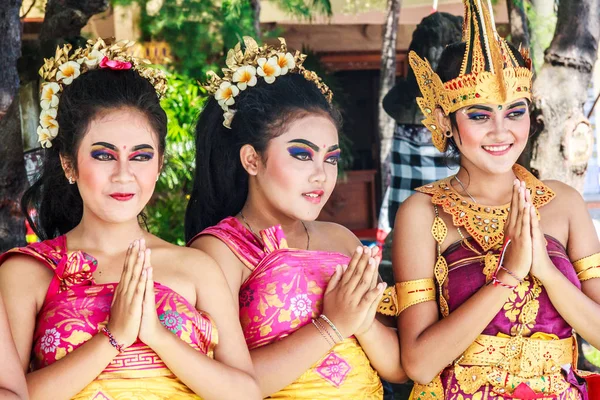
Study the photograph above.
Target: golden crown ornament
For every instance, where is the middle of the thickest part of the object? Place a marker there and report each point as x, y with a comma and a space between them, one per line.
245, 67
66, 65
489, 72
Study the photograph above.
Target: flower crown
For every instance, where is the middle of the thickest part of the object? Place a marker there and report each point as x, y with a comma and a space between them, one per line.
60, 71
244, 68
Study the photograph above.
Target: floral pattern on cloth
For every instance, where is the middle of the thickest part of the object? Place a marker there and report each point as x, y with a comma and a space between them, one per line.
283, 293
76, 308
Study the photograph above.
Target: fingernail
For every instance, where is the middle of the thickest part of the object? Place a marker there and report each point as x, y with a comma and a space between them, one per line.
371, 261
359, 249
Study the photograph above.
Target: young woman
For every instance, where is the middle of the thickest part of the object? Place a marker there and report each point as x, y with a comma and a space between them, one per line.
12, 380
101, 308
499, 247
267, 153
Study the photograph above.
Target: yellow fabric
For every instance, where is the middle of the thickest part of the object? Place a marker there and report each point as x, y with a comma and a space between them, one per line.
415, 292
361, 382
389, 303
588, 267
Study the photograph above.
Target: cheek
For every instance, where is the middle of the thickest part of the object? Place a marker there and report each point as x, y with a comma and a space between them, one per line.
282, 172
146, 173
91, 176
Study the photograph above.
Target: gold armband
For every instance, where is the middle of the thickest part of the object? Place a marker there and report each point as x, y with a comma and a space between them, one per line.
588, 267
389, 303
414, 292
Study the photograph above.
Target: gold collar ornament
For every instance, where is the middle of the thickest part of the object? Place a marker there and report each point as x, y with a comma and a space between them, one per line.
245, 67
60, 71
484, 223
490, 73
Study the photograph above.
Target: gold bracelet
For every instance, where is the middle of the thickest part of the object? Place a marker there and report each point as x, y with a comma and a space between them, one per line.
325, 330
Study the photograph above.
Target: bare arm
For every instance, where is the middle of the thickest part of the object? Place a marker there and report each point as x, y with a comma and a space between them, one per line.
12, 380
580, 308
22, 279
428, 344
230, 374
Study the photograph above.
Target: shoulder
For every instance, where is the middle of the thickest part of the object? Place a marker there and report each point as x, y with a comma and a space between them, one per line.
25, 277
417, 208
567, 198
340, 238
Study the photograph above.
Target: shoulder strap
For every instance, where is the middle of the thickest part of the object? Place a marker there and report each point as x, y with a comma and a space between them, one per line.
240, 241
439, 230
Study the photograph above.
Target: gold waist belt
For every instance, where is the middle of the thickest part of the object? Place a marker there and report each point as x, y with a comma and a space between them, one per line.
523, 356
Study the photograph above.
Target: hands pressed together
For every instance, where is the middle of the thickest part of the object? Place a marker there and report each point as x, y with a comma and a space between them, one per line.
133, 310
526, 253
353, 293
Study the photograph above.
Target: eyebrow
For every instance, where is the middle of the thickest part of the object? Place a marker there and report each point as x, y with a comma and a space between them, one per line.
517, 104
114, 148
479, 107
313, 146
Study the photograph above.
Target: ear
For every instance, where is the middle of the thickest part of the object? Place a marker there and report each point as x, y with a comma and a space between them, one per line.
68, 167
443, 121
250, 159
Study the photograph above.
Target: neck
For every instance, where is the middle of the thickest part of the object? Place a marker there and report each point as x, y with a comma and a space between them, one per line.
485, 188
261, 214
97, 236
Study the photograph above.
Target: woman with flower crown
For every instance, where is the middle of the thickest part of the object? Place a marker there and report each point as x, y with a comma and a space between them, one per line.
102, 309
266, 164
495, 269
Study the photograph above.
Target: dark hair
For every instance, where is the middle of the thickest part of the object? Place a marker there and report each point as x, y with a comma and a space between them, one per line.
262, 113
58, 204
449, 68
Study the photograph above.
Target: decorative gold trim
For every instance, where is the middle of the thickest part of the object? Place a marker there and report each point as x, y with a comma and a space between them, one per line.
414, 292
588, 267
484, 223
389, 303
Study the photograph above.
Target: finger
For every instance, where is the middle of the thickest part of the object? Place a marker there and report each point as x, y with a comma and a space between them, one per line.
372, 295
536, 231
149, 297
137, 271
526, 223
375, 276
520, 207
362, 283
128, 265
363, 262
335, 279
352, 265
512, 214
140, 290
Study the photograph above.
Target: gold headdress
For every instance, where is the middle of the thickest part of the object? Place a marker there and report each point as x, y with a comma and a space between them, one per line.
60, 71
489, 73
245, 67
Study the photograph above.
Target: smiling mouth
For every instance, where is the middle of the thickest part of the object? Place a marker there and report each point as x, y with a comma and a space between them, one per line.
497, 149
122, 196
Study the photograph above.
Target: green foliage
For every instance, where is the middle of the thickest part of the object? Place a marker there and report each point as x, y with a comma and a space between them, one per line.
591, 354
182, 103
541, 33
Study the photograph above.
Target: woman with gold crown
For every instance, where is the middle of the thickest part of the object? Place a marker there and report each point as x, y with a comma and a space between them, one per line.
494, 268
93, 316
267, 152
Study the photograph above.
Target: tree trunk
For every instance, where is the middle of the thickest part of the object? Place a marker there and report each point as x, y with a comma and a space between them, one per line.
565, 144
519, 28
66, 18
386, 82
543, 22
12, 167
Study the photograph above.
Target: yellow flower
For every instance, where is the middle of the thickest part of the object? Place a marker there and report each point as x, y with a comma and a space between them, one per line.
48, 121
269, 69
226, 93
286, 62
91, 59
44, 137
245, 76
49, 99
68, 71
228, 117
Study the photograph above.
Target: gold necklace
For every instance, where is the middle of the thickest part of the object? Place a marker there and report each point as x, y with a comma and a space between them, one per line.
254, 233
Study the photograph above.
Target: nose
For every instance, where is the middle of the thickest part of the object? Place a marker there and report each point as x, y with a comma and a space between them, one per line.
123, 172
318, 173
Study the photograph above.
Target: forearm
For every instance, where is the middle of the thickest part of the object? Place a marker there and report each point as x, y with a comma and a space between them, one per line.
281, 363
71, 374
580, 312
444, 341
207, 377
382, 346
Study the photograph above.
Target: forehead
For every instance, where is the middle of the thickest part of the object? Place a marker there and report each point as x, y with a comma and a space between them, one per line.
122, 128
317, 129
498, 106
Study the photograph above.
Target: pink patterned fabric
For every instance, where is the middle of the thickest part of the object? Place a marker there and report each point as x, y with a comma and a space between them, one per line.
76, 308
285, 292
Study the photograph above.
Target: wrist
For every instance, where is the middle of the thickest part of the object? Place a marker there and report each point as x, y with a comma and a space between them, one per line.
365, 332
154, 339
547, 273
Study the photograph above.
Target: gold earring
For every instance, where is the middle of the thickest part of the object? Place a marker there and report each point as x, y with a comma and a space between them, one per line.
71, 180
448, 134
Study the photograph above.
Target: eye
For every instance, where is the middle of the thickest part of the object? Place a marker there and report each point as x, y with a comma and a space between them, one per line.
143, 157
302, 156
333, 160
516, 114
479, 117
102, 156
